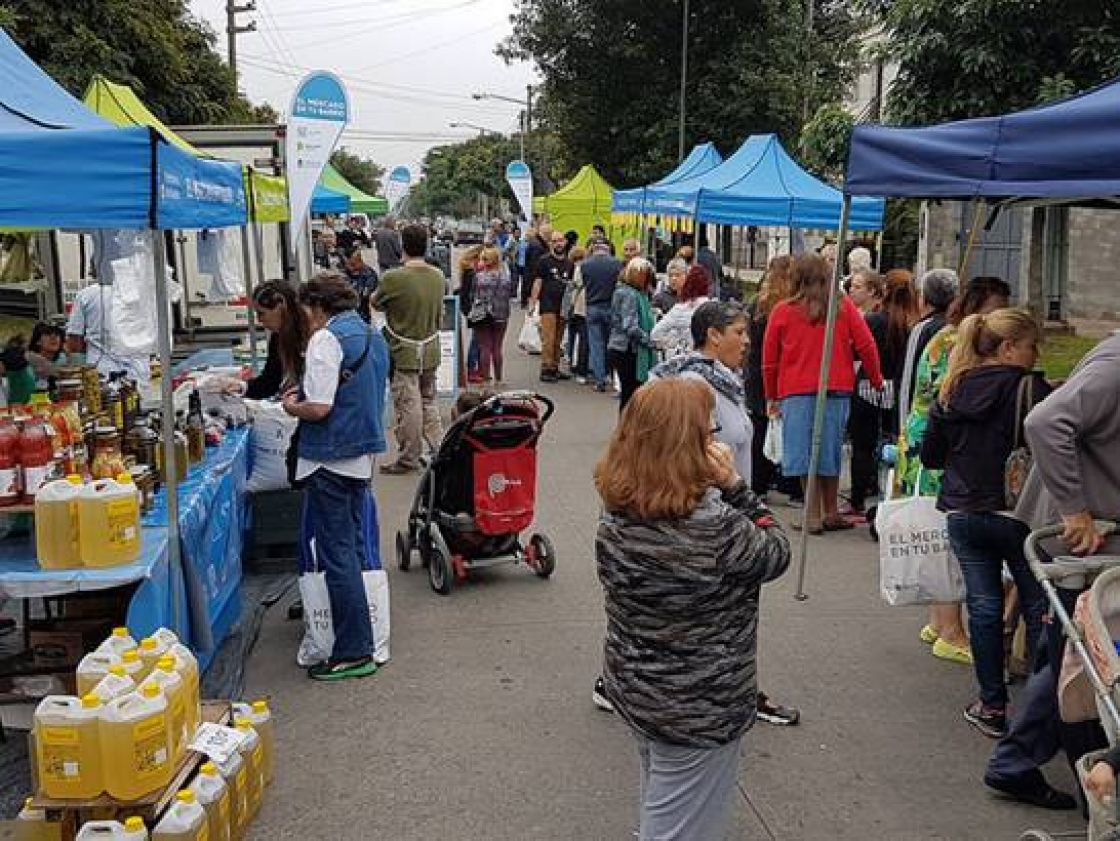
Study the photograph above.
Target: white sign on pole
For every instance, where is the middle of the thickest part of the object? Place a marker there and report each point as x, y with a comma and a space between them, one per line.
397, 186
319, 113
520, 179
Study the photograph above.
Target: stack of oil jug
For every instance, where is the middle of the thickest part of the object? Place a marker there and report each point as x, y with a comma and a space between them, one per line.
125, 734
91, 525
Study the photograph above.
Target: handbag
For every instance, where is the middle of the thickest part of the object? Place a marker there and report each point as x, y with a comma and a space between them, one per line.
1018, 465
916, 562
480, 314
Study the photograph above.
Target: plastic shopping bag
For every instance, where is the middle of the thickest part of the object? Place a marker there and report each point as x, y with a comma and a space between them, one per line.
772, 443
318, 634
268, 442
529, 340
916, 563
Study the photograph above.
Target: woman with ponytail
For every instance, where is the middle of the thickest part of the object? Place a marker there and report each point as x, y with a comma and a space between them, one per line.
974, 426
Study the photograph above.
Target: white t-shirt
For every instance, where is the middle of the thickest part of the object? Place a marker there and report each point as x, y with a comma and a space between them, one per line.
92, 319
320, 382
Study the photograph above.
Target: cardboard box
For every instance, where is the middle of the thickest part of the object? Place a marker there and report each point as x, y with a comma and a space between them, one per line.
107, 605
63, 642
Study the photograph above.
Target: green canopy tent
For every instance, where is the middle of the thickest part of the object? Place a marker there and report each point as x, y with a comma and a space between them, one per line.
584, 201
360, 202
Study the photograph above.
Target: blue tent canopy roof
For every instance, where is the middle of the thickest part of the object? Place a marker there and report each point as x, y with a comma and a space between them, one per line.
1068, 149
703, 157
326, 200
761, 185
61, 165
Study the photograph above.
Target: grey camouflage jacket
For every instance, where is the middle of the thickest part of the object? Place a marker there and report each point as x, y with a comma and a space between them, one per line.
682, 616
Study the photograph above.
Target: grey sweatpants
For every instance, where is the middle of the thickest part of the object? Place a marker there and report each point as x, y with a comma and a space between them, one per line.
686, 792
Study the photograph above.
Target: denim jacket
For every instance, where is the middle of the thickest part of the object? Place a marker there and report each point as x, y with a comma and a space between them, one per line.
626, 323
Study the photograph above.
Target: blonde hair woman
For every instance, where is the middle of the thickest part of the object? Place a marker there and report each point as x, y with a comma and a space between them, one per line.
682, 548
974, 426
489, 312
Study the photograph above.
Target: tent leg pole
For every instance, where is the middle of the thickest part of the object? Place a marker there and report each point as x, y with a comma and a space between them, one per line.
247, 258
167, 422
879, 251
822, 397
737, 254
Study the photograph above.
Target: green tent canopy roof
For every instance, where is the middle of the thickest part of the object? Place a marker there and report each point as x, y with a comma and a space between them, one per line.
268, 194
581, 203
360, 202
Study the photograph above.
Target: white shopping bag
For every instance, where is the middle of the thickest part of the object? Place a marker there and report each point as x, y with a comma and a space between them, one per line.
916, 563
318, 633
529, 340
772, 443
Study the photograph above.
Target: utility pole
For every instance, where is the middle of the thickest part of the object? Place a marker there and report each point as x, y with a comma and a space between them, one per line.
233, 29
684, 81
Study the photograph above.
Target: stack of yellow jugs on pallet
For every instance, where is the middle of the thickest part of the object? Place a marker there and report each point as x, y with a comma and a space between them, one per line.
125, 733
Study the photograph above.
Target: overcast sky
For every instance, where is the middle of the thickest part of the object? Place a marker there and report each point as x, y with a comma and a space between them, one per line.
410, 66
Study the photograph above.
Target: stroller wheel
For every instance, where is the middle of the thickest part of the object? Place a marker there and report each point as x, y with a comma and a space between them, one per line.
404, 551
440, 574
544, 555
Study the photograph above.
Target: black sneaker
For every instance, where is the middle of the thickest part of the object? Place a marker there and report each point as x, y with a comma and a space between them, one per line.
1032, 788
548, 377
991, 721
343, 669
599, 696
773, 713
563, 375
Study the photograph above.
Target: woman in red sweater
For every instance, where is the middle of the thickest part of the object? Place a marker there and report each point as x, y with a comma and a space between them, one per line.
791, 361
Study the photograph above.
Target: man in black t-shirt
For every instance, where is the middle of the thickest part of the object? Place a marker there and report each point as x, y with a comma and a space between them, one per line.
551, 277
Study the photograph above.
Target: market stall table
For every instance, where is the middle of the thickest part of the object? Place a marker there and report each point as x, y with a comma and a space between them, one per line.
201, 602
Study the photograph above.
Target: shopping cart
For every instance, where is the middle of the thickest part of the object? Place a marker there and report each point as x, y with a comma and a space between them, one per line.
1091, 635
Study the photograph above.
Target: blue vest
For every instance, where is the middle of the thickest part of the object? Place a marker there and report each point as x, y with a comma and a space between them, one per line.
354, 426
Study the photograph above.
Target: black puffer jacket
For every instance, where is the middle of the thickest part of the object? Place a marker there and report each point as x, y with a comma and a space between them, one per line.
971, 438
682, 616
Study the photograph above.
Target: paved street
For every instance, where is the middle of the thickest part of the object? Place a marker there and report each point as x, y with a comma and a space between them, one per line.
482, 728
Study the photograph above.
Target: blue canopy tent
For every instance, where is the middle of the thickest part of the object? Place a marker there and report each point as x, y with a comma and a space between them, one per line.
61, 165
702, 158
326, 200
760, 185
1066, 152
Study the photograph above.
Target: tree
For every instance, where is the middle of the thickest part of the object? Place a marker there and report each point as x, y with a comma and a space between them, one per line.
611, 73
456, 175
155, 46
824, 142
363, 173
968, 58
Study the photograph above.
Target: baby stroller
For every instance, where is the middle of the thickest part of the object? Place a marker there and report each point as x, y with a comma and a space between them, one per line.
1091, 688
478, 494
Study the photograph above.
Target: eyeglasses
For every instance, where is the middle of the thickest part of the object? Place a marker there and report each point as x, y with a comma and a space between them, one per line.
716, 429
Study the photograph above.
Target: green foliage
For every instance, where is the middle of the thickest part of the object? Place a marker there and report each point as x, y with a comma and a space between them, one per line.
363, 173
967, 58
455, 175
611, 71
157, 47
824, 142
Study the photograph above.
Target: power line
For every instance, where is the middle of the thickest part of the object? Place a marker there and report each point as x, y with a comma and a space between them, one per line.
430, 47
381, 25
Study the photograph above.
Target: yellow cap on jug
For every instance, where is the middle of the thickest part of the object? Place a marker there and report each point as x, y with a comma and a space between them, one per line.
75, 479
260, 706
117, 670
120, 631
242, 723
134, 823
166, 664
185, 796
209, 769
130, 656
148, 644
90, 702
27, 803
124, 478
150, 690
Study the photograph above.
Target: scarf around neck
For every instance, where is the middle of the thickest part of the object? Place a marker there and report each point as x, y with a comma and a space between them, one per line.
714, 373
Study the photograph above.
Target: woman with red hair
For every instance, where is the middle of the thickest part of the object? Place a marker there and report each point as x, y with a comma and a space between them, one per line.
672, 335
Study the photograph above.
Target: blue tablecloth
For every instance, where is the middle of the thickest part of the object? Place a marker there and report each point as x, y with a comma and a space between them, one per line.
202, 601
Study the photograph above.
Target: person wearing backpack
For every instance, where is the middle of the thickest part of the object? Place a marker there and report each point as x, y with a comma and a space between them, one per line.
975, 435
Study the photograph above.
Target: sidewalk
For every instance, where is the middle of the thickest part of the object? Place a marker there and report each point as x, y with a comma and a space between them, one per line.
482, 728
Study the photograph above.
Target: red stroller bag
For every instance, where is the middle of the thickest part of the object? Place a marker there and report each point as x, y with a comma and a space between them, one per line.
505, 485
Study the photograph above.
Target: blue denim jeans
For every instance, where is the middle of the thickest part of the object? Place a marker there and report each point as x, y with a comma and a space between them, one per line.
983, 543
336, 506
598, 334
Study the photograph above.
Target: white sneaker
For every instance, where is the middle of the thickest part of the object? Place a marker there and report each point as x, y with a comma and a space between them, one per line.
581, 380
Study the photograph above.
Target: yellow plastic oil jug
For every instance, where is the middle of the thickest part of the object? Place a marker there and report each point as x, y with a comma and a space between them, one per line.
68, 746
118, 642
261, 717
109, 523
150, 650
252, 753
167, 679
32, 825
132, 829
132, 664
92, 668
213, 793
136, 735
236, 774
56, 524
187, 664
184, 820
116, 684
